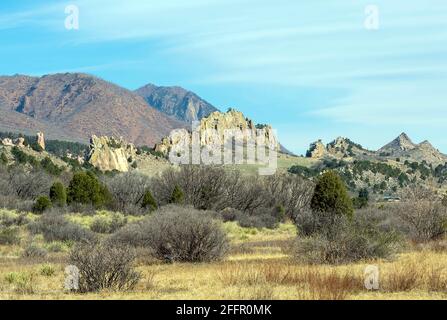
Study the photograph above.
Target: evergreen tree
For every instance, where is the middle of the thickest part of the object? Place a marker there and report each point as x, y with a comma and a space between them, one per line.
177, 196
362, 200
42, 204
58, 195
149, 201
85, 188
331, 195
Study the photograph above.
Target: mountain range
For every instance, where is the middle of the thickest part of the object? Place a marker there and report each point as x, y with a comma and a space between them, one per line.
402, 148
74, 106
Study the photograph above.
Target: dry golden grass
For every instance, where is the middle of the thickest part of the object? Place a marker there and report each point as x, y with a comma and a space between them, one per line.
256, 268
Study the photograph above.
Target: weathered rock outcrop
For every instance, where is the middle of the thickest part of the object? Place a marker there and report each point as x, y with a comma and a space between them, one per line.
109, 154
317, 150
41, 140
7, 142
178, 140
20, 142
216, 130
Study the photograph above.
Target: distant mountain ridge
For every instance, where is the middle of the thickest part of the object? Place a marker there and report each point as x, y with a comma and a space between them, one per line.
182, 104
399, 145
74, 106
402, 147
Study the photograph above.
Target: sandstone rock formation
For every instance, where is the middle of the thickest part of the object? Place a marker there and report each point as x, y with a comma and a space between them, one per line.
216, 129
109, 154
177, 140
20, 142
41, 140
7, 142
317, 150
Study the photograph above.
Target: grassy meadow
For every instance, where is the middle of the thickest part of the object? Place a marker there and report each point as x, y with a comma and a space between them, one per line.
257, 266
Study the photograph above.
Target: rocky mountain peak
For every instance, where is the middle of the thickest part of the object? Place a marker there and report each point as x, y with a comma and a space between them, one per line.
404, 139
401, 144
177, 102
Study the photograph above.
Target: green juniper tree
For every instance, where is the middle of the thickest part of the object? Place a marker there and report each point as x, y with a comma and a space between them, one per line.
58, 195
149, 201
177, 196
331, 195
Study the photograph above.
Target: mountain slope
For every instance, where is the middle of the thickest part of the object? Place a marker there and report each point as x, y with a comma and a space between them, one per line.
177, 102
398, 146
405, 148
75, 106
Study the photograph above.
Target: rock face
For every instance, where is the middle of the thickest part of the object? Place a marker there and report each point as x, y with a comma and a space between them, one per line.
177, 140
20, 142
399, 145
8, 142
340, 148
213, 131
317, 150
41, 140
109, 154
177, 102
403, 147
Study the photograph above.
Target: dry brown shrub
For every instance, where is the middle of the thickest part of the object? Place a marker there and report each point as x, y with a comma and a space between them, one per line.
331, 285
437, 281
400, 279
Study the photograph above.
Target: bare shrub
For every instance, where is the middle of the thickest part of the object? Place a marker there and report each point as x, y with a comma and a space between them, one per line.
214, 188
29, 185
422, 214
263, 218
11, 218
128, 191
33, 251
56, 227
292, 192
132, 234
9, 235
336, 239
177, 234
202, 186
108, 224
104, 266
401, 279
229, 214
244, 193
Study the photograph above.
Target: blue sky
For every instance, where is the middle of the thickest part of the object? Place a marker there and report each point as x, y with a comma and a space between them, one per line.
310, 68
